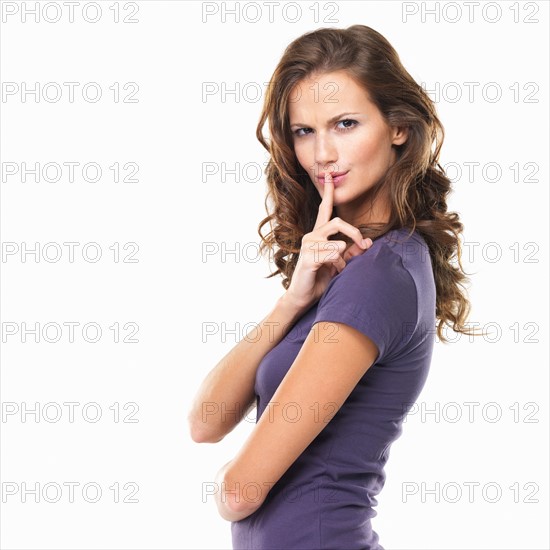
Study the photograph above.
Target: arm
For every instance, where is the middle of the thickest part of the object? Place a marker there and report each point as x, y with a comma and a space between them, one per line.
326, 370
227, 393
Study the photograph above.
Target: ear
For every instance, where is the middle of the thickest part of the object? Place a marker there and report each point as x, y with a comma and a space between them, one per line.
400, 135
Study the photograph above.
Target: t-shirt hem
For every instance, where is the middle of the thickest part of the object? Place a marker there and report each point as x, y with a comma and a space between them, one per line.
338, 316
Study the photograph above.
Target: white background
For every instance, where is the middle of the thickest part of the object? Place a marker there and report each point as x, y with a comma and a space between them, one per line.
173, 290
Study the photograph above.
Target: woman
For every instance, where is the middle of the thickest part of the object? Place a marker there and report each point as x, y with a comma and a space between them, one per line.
364, 244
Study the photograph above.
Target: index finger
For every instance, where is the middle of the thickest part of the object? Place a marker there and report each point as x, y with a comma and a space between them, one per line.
325, 208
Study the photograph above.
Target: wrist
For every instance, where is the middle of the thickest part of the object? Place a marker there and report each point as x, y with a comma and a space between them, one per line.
290, 306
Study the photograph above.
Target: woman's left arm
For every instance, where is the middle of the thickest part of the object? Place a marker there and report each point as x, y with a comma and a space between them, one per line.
326, 370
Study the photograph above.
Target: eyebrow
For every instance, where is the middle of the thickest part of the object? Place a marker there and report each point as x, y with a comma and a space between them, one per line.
330, 121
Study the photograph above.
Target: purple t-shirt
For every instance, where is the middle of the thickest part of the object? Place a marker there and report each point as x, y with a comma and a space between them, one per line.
326, 499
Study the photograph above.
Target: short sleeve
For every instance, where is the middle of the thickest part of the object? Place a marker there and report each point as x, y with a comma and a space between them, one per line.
376, 295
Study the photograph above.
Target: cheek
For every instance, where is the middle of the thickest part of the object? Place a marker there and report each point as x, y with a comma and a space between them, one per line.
303, 156
370, 151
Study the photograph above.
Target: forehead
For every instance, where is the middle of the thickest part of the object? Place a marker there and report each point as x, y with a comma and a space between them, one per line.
327, 94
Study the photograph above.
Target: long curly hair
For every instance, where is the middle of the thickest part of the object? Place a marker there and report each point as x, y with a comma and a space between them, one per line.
416, 185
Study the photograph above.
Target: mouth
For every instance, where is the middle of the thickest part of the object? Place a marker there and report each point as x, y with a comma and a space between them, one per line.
337, 177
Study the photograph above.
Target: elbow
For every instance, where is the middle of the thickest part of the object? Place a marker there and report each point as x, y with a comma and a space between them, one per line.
233, 505
200, 433
201, 436
236, 511
235, 508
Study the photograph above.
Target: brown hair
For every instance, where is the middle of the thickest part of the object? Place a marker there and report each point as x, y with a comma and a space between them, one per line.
416, 185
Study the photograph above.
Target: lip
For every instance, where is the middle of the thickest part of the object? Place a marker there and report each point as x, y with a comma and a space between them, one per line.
337, 177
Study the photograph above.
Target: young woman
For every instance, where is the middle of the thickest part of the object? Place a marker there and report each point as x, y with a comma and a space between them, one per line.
365, 244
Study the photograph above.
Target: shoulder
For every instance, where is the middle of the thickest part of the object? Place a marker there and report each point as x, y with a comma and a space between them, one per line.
388, 262
383, 282
397, 258
375, 293
377, 282
408, 245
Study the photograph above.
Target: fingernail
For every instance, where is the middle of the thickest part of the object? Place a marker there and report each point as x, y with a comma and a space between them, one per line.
366, 242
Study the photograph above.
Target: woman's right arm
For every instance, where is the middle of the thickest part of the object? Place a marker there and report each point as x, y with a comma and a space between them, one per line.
227, 393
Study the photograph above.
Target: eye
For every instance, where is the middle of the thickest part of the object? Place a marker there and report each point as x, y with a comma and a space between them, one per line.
348, 125
345, 128
297, 132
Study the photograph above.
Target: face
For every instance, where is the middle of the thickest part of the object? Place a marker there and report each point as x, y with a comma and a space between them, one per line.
336, 128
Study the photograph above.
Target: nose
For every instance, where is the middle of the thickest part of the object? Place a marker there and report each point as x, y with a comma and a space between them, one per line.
325, 153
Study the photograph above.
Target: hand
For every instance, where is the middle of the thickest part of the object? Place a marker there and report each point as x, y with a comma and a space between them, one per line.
320, 259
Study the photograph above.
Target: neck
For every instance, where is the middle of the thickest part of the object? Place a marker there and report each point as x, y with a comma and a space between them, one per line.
364, 212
